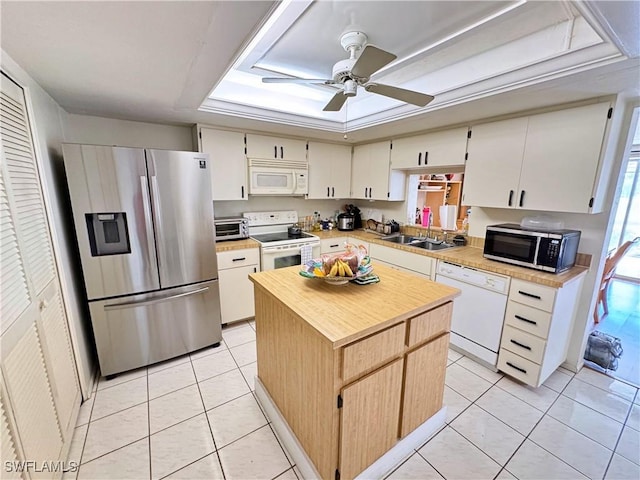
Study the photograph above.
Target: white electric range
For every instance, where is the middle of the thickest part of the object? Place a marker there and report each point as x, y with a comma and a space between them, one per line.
278, 249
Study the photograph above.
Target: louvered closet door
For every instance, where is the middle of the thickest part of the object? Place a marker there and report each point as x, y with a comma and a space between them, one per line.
8, 449
37, 362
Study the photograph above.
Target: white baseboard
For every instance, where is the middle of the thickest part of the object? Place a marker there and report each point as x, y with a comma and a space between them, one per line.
379, 469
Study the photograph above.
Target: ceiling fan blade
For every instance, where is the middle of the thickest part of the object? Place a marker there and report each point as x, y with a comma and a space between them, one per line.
408, 96
371, 60
336, 102
297, 80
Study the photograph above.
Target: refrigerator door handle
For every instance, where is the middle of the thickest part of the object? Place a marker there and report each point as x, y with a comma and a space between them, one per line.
139, 303
158, 219
147, 214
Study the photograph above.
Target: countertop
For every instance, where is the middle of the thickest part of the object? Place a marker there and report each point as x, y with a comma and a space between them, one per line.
230, 245
344, 313
470, 257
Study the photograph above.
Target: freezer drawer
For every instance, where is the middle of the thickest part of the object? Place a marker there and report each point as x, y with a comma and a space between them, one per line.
139, 330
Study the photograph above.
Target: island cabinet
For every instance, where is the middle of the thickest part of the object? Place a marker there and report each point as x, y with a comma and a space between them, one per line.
262, 146
351, 369
547, 162
438, 149
228, 163
371, 177
329, 170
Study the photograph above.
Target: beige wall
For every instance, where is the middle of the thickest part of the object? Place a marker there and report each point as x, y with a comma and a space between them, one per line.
92, 130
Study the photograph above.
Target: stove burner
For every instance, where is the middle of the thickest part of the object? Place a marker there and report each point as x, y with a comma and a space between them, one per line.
279, 236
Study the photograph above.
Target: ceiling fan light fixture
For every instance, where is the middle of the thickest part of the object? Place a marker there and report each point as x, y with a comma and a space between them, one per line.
350, 88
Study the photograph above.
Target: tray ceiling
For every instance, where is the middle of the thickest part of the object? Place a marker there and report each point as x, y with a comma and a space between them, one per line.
455, 50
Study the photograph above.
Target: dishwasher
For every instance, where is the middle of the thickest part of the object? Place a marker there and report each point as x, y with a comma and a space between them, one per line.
478, 313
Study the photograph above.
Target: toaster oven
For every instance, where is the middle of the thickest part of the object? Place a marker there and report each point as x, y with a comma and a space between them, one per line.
231, 228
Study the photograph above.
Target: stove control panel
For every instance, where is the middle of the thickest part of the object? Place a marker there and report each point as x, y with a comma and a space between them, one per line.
258, 219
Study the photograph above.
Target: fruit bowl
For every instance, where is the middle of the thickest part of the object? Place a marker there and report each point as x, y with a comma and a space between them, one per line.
316, 269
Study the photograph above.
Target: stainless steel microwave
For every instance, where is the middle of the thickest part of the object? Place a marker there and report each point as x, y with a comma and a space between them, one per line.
551, 251
231, 228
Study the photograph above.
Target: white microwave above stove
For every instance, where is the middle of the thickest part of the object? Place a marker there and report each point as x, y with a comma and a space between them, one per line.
278, 177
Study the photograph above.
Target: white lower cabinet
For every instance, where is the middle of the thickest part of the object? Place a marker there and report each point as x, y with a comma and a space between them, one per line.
537, 329
236, 290
401, 260
332, 245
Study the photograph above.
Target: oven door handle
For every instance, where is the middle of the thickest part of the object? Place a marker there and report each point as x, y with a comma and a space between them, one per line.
289, 249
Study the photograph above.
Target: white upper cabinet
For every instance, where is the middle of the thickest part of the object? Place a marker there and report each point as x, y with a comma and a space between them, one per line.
261, 146
438, 149
371, 177
228, 163
329, 170
561, 159
495, 159
547, 162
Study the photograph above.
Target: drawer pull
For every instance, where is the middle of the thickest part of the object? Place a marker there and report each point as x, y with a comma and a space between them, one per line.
239, 259
333, 246
526, 320
537, 297
517, 368
520, 344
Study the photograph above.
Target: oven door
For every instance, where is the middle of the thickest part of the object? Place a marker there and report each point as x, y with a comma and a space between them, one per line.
517, 248
284, 256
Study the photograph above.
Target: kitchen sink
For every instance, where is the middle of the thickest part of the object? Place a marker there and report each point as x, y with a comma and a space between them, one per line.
419, 242
402, 239
427, 245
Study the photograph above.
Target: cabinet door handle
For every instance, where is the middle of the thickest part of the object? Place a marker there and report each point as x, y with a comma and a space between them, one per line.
242, 191
333, 192
517, 368
365, 192
510, 197
281, 152
526, 320
426, 157
238, 259
369, 192
537, 297
526, 347
419, 158
255, 269
334, 246
328, 192
275, 151
521, 197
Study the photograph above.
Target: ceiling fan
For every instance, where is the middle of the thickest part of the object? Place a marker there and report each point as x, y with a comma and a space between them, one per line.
355, 71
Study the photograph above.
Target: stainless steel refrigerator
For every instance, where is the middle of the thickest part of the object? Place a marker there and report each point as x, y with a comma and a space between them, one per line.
144, 224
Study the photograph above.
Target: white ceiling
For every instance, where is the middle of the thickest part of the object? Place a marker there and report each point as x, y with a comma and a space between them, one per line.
158, 61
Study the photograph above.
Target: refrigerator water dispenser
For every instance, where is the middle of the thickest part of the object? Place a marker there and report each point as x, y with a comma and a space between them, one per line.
108, 233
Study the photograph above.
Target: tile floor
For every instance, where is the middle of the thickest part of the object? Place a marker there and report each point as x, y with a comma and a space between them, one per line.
196, 417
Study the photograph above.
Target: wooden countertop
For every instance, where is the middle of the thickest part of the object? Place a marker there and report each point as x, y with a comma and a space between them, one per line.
230, 245
470, 257
344, 313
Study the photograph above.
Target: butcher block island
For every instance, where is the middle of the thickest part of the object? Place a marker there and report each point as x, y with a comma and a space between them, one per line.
351, 373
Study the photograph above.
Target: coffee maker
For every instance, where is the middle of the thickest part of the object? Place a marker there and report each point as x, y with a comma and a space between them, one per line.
357, 218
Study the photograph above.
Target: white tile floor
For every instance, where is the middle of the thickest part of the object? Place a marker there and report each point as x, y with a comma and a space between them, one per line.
196, 417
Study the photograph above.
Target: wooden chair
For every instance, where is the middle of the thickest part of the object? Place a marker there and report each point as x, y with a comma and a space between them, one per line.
610, 264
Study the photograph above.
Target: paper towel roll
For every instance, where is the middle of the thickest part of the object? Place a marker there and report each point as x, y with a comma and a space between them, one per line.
448, 217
